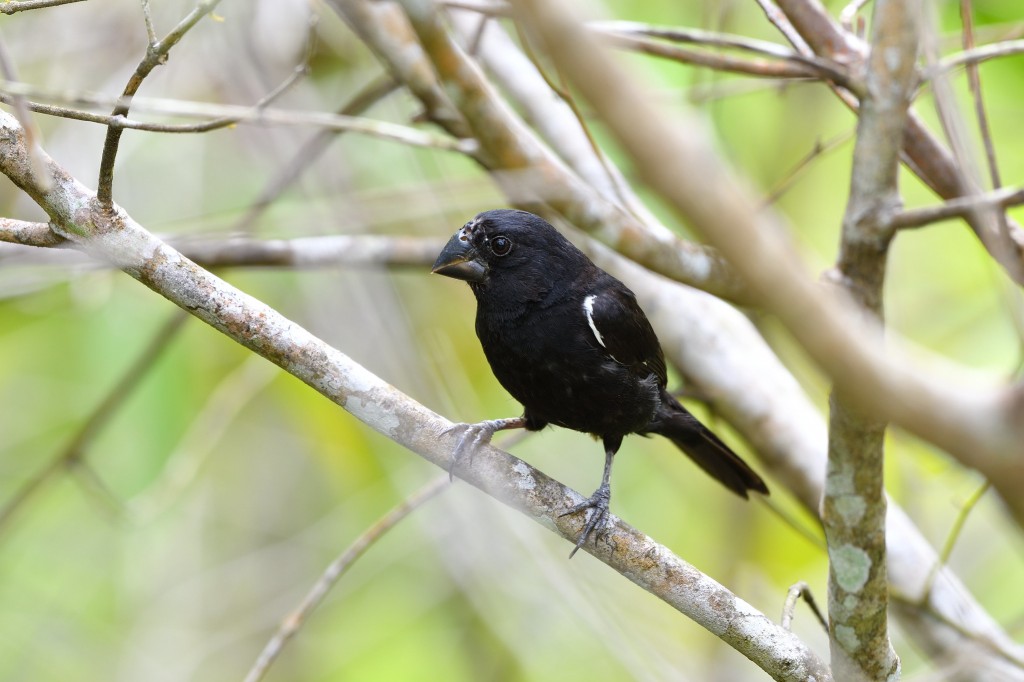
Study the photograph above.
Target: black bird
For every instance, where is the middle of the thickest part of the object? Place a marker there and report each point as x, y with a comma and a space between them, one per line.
570, 343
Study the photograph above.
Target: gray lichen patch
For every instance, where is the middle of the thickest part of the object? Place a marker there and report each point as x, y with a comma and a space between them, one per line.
384, 420
851, 508
847, 638
525, 479
851, 566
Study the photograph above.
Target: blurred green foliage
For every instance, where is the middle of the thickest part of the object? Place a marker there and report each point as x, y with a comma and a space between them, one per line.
209, 504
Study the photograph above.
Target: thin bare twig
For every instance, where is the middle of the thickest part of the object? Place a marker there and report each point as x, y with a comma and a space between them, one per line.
848, 13
120, 121
974, 81
782, 63
552, 119
958, 208
366, 250
780, 21
992, 227
924, 154
370, 250
384, 29
636, 36
257, 115
147, 18
156, 55
975, 55
954, 534
761, 68
693, 36
297, 618
12, 6
818, 151
633, 34
797, 590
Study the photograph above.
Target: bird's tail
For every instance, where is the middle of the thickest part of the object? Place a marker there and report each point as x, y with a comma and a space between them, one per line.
705, 448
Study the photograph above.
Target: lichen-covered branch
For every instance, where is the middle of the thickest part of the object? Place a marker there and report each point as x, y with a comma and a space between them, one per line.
854, 506
28, 233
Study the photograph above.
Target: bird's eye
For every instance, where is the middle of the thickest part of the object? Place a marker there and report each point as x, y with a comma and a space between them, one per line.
500, 246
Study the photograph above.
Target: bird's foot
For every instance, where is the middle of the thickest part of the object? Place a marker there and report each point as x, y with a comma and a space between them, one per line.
598, 518
474, 436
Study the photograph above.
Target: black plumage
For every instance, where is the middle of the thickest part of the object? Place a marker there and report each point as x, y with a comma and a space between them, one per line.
571, 343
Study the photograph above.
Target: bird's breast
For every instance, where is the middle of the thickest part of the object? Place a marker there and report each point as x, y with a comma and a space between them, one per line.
545, 359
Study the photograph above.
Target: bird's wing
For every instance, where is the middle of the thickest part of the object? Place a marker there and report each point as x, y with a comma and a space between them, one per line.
619, 327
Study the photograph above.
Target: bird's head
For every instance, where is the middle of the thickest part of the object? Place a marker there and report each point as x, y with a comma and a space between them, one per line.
508, 241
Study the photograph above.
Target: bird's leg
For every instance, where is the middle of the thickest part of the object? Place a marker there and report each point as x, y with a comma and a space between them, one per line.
599, 501
475, 435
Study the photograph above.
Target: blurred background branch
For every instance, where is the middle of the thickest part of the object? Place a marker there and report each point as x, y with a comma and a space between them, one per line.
238, 484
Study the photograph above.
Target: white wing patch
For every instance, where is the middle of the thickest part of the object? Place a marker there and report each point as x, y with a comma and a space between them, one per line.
588, 310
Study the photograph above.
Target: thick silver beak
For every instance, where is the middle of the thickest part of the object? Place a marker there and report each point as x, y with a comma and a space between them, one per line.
458, 259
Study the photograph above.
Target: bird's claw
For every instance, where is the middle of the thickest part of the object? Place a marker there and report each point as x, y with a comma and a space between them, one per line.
598, 519
475, 436
472, 437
